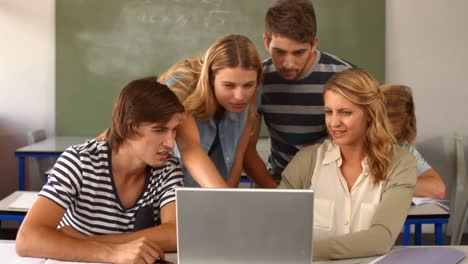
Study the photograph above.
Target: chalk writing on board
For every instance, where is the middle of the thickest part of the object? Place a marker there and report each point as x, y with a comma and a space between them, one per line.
216, 3
180, 20
214, 17
141, 27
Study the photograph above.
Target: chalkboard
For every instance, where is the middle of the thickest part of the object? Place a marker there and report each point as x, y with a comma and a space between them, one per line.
102, 45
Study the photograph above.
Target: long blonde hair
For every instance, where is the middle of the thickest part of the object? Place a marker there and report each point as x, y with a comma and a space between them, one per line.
194, 78
362, 89
400, 106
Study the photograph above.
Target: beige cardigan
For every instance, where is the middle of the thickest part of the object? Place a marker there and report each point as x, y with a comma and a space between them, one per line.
388, 220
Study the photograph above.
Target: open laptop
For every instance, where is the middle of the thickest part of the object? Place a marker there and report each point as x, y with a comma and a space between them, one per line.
244, 226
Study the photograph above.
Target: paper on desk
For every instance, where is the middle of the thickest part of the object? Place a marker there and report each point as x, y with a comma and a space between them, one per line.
25, 201
422, 200
421, 255
375, 261
8, 256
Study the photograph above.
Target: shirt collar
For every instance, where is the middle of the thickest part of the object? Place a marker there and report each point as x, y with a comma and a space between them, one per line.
232, 116
333, 154
228, 116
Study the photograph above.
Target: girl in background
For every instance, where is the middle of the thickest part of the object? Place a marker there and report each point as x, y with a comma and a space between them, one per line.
401, 113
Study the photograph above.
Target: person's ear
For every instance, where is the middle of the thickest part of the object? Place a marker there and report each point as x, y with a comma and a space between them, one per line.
266, 42
314, 44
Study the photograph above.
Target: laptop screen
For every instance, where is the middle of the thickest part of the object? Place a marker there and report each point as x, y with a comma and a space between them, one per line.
244, 225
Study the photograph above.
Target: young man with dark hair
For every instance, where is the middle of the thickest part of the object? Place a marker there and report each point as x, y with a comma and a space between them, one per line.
291, 96
113, 200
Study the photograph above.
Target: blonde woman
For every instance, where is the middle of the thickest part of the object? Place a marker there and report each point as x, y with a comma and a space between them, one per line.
218, 91
363, 181
401, 113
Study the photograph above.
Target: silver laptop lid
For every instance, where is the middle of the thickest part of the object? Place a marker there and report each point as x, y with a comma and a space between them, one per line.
244, 226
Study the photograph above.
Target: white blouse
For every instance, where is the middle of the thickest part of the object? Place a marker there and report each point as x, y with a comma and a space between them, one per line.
338, 211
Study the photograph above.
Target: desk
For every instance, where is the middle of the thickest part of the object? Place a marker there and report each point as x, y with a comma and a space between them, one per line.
17, 213
8, 255
370, 259
49, 148
425, 214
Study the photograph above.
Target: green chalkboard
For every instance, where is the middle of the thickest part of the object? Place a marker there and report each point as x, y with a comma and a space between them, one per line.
103, 44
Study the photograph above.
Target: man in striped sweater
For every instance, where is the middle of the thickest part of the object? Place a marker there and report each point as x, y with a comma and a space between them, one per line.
113, 200
291, 97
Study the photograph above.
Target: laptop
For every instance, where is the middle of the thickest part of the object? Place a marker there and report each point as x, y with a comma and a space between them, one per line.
244, 226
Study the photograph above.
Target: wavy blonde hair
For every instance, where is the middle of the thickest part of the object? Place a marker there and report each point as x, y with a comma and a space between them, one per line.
194, 78
400, 107
362, 89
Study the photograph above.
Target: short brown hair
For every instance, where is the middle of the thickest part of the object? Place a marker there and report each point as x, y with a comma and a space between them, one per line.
293, 19
142, 100
400, 106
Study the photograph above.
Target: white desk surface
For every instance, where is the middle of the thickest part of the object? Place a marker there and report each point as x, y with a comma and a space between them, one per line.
52, 144
24, 197
8, 256
427, 209
415, 210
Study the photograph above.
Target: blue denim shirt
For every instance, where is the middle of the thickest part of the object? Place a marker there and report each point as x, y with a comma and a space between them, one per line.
230, 131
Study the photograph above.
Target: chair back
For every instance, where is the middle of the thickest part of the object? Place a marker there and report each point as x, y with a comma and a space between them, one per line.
459, 197
36, 136
38, 166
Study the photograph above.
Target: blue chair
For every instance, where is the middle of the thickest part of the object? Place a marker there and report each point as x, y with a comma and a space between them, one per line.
437, 221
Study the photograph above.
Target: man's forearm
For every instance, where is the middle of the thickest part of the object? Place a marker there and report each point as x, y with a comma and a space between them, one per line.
165, 235
44, 243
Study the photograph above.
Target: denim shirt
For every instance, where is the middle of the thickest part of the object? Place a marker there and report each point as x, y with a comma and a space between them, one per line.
230, 127
230, 131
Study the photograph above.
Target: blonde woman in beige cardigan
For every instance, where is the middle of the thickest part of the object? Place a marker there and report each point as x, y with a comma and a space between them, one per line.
363, 181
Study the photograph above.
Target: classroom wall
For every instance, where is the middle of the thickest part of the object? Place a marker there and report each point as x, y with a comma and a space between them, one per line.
426, 48
421, 35
27, 55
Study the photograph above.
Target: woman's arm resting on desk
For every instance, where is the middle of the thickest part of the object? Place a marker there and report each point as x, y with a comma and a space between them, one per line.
386, 223
38, 237
194, 157
429, 184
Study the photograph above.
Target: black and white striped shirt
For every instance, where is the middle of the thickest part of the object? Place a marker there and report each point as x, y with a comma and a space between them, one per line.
293, 109
82, 183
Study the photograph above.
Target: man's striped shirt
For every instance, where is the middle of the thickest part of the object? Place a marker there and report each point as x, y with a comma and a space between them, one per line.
293, 109
82, 183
